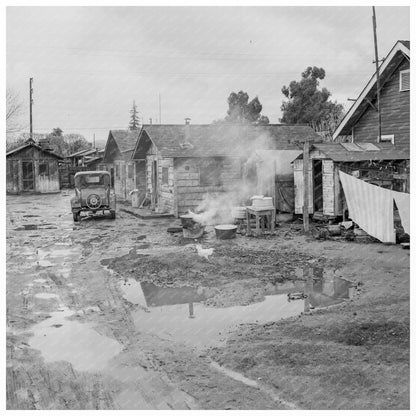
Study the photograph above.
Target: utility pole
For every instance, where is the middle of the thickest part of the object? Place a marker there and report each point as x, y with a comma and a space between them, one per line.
377, 73
160, 109
93, 141
306, 186
30, 108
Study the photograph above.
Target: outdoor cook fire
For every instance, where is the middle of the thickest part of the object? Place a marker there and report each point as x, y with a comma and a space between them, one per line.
192, 228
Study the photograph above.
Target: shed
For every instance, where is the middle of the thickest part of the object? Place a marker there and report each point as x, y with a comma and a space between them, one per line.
117, 160
380, 164
31, 168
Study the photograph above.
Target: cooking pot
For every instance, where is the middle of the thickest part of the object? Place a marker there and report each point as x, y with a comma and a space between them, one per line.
225, 231
187, 221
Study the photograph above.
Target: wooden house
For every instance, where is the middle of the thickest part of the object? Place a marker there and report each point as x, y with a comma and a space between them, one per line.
179, 165
361, 121
31, 168
117, 160
383, 161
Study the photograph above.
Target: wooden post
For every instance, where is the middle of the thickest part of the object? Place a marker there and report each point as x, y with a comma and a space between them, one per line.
377, 73
306, 186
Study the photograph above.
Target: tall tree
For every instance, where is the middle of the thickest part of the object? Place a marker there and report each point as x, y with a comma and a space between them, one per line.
241, 110
307, 104
134, 118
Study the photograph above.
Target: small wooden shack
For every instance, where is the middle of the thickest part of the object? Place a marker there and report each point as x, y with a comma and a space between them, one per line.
379, 164
178, 166
31, 168
117, 160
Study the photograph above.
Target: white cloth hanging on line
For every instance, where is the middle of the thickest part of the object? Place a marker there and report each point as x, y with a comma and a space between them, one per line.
370, 206
402, 200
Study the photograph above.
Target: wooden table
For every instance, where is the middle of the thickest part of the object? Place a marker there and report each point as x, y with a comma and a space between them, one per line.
259, 214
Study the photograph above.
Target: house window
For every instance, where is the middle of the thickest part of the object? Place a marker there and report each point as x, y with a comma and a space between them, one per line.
387, 138
165, 176
405, 80
117, 171
130, 171
210, 172
43, 168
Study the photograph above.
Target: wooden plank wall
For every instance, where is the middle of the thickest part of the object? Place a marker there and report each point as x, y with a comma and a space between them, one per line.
49, 183
395, 114
298, 180
189, 191
328, 189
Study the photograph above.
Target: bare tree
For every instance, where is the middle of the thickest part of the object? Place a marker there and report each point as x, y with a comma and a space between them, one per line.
13, 111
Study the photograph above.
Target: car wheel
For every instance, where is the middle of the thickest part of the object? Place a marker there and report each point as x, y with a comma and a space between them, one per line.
112, 215
76, 216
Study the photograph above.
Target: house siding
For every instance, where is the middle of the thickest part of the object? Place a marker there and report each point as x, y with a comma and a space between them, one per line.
395, 114
187, 178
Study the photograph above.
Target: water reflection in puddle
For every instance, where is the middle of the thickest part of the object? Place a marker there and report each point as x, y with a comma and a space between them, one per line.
46, 295
178, 314
78, 343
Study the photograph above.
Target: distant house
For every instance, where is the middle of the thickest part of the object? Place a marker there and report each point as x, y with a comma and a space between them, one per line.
117, 160
179, 165
32, 168
382, 161
85, 157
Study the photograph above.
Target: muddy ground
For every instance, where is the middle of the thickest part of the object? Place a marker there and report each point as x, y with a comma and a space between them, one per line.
123, 315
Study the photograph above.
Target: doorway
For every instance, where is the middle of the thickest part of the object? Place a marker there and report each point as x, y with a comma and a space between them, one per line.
318, 196
112, 177
28, 176
154, 184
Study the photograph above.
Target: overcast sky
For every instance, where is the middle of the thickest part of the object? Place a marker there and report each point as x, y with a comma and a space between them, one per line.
90, 63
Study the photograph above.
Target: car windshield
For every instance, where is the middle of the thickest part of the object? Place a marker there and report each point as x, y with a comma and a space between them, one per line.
85, 181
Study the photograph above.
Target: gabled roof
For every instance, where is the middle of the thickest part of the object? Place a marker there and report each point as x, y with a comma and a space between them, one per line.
125, 141
400, 51
32, 144
220, 139
341, 152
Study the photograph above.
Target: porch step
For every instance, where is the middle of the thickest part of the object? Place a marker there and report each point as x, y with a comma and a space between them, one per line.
144, 213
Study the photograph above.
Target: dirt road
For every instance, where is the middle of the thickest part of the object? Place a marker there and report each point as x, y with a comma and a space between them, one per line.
119, 314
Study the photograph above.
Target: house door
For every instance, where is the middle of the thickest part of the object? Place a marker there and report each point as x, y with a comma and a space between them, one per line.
318, 197
28, 175
154, 182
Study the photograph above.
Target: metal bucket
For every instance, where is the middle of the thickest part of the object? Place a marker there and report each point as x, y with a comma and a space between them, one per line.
225, 231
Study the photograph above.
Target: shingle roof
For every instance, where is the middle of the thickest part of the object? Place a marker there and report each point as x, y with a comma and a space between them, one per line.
339, 153
125, 139
222, 139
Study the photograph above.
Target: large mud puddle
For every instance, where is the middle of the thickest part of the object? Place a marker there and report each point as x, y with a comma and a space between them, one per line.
181, 314
59, 338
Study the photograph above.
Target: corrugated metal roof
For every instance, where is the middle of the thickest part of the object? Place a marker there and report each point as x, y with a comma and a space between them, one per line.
83, 152
224, 139
338, 153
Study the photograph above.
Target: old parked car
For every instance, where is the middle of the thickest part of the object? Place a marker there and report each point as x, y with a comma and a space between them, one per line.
93, 194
